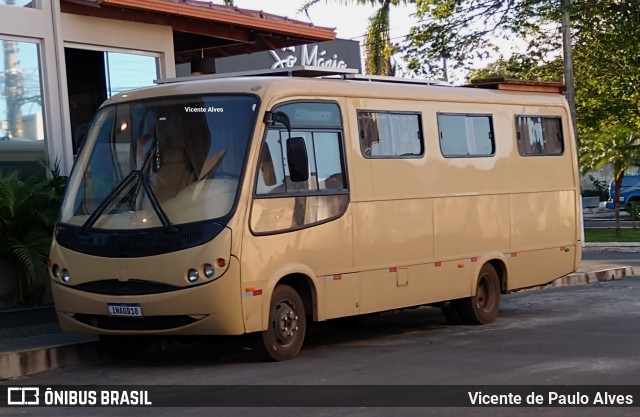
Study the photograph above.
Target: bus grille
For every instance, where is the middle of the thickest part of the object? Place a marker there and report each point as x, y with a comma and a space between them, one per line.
134, 323
131, 287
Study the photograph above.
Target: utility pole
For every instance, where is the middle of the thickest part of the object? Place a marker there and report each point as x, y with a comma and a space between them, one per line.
568, 63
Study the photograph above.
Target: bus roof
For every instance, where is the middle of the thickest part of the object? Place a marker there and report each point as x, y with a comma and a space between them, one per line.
320, 82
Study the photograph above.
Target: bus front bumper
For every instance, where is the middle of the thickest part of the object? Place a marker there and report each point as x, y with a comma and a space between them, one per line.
214, 308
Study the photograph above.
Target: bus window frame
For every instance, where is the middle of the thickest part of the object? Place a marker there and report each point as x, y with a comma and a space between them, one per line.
554, 116
310, 193
423, 148
493, 135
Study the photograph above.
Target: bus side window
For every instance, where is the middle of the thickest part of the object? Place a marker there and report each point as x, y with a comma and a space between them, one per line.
281, 203
266, 166
539, 135
385, 134
466, 135
271, 170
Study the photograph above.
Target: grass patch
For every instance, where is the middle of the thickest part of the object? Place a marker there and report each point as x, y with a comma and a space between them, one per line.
609, 235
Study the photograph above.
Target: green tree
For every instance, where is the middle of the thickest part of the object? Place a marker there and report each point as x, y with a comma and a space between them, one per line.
377, 45
606, 54
520, 66
464, 31
618, 146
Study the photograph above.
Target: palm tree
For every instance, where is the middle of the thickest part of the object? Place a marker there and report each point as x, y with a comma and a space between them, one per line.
619, 147
378, 47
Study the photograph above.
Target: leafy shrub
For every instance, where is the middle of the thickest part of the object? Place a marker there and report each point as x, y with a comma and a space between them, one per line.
28, 210
633, 208
600, 189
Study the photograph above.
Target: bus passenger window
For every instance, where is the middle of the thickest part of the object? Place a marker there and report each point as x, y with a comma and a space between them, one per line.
390, 135
465, 135
538, 135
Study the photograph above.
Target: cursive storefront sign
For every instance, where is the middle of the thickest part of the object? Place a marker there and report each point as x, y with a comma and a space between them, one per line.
310, 55
340, 53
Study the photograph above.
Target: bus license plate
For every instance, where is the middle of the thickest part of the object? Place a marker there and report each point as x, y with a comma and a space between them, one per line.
124, 310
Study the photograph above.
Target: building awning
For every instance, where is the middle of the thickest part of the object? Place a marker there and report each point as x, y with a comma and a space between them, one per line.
204, 29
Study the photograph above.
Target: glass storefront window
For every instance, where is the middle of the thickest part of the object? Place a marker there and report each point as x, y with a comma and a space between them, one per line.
128, 71
21, 117
20, 3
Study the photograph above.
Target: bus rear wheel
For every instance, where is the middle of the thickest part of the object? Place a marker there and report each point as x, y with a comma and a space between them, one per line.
483, 307
287, 326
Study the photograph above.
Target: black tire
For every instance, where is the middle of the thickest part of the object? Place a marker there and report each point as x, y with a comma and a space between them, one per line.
287, 326
483, 307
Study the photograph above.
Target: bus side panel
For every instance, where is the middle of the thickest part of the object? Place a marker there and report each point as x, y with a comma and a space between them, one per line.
392, 233
543, 226
469, 226
391, 239
395, 252
539, 267
341, 295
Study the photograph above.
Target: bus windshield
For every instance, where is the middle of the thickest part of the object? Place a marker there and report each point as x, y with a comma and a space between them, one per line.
161, 162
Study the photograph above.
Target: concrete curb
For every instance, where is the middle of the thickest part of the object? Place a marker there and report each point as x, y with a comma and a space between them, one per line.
612, 245
590, 277
59, 350
49, 354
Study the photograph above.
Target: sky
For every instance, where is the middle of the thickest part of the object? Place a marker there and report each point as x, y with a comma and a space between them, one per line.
349, 20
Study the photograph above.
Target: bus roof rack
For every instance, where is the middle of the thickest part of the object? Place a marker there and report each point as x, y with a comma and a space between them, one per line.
389, 79
307, 71
297, 71
511, 84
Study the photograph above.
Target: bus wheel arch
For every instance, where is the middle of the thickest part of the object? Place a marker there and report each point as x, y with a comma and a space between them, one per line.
501, 268
305, 287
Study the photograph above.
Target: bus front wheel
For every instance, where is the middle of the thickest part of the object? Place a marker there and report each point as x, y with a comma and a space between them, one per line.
483, 307
287, 326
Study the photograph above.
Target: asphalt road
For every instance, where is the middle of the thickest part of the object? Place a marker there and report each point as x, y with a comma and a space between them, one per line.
608, 224
573, 335
610, 256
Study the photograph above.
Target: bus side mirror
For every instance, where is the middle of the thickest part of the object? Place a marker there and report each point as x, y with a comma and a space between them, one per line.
297, 159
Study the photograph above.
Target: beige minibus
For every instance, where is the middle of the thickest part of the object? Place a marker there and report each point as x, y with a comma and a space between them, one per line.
259, 203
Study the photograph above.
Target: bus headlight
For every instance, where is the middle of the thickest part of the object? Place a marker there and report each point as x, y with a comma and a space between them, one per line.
55, 271
208, 270
192, 275
64, 276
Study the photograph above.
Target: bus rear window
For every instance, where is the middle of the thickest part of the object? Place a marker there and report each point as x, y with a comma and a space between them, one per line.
538, 135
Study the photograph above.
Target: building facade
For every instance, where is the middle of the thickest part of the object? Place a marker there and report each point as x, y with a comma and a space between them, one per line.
63, 58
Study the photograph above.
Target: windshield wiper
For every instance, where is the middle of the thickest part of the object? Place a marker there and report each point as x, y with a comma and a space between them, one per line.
139, 179
164, 219
99, 211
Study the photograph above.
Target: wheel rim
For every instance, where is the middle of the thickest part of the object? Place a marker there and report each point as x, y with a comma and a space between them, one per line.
484, 300
286, 323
